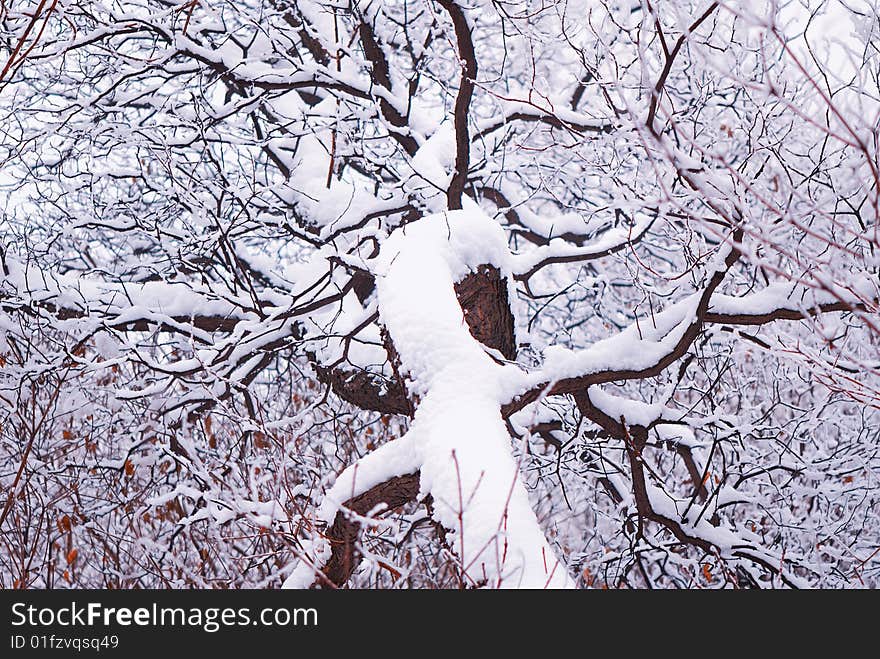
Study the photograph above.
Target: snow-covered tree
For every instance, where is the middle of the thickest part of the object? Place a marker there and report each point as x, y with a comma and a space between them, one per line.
439, 293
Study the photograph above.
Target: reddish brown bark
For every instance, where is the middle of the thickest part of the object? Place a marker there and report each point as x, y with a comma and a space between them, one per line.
344, 532
483, 298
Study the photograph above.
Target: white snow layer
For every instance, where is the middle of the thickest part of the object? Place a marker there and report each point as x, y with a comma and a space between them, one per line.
458, 439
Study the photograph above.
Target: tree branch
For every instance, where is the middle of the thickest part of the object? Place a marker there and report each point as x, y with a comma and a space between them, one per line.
343, 534
462, 102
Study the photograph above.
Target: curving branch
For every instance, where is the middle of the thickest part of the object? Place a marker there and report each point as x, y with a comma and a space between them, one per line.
345, 531
691, 331
561, 119
611, 242
762, 318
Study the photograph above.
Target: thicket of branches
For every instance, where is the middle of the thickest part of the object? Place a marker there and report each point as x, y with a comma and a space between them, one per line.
657, 220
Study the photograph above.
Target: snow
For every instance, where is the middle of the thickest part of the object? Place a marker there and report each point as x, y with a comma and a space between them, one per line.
202, 117
558, 248
130, 301
639, 346
433, 165
790, 296
315, 554
334, 204
632, 411
396, 458
558, 109
458, 439
678, 434
644, 343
